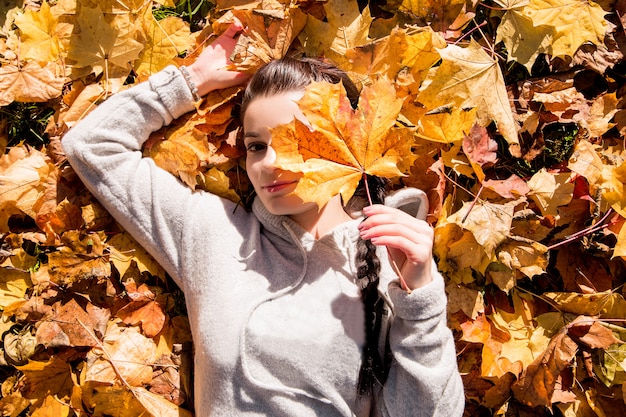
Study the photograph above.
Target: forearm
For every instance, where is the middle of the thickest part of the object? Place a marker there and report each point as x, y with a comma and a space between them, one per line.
105, 151
423, 379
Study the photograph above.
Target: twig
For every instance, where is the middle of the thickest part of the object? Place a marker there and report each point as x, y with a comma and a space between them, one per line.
473, 203
108, 357
584, 232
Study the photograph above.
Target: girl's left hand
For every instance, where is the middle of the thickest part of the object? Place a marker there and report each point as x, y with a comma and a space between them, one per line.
409, 240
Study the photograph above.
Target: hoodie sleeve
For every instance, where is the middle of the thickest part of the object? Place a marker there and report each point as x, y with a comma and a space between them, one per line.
423, 378
105, 151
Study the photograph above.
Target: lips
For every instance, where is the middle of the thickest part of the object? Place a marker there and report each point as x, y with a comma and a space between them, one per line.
279, 186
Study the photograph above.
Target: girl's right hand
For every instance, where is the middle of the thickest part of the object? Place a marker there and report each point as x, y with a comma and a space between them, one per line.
210, 70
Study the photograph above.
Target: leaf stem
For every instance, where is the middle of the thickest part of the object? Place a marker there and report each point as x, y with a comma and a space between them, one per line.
392, 261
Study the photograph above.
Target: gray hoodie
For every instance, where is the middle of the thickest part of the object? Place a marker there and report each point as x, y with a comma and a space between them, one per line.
276, 317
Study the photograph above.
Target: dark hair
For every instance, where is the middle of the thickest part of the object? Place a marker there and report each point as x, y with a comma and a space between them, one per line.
289, 74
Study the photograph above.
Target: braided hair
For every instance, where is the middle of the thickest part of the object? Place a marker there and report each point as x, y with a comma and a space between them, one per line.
290, 74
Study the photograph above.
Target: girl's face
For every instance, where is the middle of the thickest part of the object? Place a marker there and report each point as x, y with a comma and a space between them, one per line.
271, 184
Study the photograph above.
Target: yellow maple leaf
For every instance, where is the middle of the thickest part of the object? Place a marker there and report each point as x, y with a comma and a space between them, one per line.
468, 77
438, 13
22, 183
53, 377
399, 51
343, 144
550, 191
42, 36
447, 124
183, 151
524, 40
166, 39
30, 82
575, 22
13, 285
490, 223
123, 250
98, 44
346, 27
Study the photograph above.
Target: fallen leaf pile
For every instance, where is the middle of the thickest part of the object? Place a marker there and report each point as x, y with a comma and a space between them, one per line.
510, 114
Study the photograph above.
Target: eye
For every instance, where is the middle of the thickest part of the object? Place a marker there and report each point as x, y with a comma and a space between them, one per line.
256, 147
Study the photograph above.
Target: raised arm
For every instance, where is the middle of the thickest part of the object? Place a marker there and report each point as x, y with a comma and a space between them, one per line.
105, 151
423, 379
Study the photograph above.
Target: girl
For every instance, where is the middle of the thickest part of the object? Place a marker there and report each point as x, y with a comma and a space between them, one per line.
291, 312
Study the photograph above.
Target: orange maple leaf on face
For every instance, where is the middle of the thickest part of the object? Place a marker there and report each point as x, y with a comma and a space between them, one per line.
341, 144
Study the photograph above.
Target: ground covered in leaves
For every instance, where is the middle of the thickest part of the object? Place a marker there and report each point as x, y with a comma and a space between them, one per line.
510, 114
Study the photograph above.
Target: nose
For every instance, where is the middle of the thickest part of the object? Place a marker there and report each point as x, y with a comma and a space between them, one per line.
269, 159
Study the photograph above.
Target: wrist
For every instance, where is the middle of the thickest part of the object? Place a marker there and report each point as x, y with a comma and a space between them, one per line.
191, 79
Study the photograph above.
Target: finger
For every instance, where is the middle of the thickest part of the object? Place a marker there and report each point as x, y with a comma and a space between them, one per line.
422, 237
415, 253
404, 221
234, 29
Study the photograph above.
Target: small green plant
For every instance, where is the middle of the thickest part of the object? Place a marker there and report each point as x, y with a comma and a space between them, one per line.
26, 123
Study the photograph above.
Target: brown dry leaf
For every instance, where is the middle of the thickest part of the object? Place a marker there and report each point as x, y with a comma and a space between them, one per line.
81, 104
145, 308
614, 187
477, 330
606, 304
458, 253
81, 257
124, 354
217, 182
12, 405
580, 272
267, 36
30, 82
526, 340
591, 333
121, 401
415, 51
427, 175
465, 299
599, 119
479, 147
344, 144
527, 257
102, 399
70, 324
512, 187
586, 161
537, 383
156, 405
468, 77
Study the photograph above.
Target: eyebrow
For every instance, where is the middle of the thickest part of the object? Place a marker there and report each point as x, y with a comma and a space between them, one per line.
251, 135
